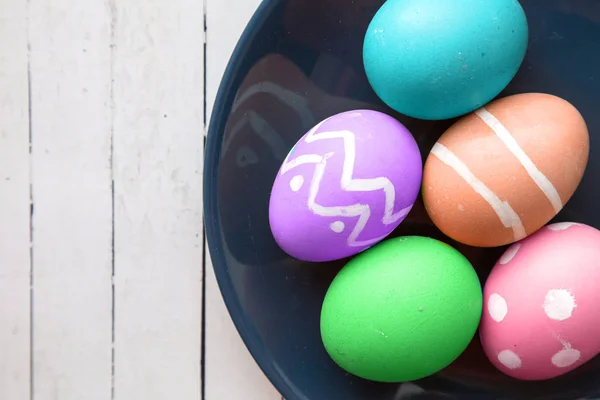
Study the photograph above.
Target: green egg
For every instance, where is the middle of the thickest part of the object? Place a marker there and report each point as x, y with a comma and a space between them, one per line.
402, 310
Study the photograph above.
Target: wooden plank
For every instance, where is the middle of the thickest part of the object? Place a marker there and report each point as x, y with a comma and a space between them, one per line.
70, 64
230, 370
14, 200
158, 160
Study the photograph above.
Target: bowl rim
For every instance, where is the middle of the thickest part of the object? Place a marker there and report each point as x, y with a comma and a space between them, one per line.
222, 106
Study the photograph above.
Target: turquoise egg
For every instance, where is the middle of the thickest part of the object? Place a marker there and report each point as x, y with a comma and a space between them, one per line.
439, 59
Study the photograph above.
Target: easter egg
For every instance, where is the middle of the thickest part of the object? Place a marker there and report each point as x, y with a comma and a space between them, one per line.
344, 186
402, 310
439, 59
264, 122
541, 315
504, 171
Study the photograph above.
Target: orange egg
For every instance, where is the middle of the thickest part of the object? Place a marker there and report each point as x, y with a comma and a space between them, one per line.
503, 171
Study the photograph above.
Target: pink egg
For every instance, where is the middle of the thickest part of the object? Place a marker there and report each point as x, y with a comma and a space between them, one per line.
541, 314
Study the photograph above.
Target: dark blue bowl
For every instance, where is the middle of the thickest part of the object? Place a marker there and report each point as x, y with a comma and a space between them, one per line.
298, 62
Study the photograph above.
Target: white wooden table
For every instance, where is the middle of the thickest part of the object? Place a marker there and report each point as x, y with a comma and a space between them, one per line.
102, 108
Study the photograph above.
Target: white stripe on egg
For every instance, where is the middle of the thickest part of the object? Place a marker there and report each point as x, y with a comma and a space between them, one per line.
511, 144
508, 216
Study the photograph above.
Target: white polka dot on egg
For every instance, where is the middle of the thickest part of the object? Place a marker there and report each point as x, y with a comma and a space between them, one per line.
561, 226
510, 254
509, 359
559, 304
337, 226
566, 357
497, 307
296, 182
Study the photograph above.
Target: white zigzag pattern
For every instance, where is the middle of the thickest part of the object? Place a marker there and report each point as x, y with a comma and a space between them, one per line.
363, 211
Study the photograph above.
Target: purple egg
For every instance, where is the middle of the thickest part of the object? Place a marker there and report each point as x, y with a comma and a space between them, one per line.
345, 185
